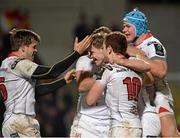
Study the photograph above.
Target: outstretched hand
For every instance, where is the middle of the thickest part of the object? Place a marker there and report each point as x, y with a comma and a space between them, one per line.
81, 46
69, 76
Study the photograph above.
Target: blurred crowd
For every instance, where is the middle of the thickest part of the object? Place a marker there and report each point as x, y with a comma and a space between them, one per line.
86, 26
55, 112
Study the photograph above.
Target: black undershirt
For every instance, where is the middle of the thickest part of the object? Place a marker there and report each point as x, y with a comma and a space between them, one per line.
44, 72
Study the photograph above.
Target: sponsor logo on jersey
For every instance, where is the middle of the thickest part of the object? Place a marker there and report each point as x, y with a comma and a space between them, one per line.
159, 49
152, 42
15, 63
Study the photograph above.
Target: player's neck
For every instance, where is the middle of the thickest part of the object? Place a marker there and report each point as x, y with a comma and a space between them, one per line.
141, 38
16, 53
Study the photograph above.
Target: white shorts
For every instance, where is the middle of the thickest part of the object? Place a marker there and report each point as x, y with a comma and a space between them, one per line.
117, 132
164, 103
150, 124
19, 125
87, 127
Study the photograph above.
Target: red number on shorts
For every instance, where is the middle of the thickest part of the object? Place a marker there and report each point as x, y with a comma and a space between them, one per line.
133, 87
3, 90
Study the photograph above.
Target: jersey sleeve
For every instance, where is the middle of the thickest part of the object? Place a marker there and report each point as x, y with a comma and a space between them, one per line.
84, 63
156, 51
24, 67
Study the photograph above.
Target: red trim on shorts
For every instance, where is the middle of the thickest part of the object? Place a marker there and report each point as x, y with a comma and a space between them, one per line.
162, 109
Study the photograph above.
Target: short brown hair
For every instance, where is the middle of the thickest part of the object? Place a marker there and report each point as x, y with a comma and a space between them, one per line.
117, 41
19, 37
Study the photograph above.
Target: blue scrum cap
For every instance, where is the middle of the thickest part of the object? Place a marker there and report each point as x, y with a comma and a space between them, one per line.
138, 20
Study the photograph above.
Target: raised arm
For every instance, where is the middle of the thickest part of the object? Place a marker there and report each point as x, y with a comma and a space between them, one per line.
45, 72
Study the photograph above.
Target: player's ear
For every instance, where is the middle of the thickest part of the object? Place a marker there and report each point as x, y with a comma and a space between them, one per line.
22, 48
109, 49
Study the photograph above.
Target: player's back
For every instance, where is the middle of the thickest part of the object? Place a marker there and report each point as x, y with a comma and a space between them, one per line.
123, 88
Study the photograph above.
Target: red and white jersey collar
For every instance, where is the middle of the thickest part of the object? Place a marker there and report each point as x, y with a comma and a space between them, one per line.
12, 55
141, 39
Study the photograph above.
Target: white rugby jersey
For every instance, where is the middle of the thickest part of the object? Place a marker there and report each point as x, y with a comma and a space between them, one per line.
18, 84
154, 50
100, 111
122, 88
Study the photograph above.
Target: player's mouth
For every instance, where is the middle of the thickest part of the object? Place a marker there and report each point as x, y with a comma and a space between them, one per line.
127, 34
95, 61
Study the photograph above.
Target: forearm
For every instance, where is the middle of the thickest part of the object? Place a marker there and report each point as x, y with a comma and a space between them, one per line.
43, 72
148, 79
86, 84
94, 94
46, 88
158, 68
136, 64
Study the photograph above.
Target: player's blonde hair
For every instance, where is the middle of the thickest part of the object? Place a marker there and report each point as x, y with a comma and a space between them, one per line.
102, 30
98, 36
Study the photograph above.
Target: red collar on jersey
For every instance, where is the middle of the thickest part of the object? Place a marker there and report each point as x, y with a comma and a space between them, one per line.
12, 54
142, 38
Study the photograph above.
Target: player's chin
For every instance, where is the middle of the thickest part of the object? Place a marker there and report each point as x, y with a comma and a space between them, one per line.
129, 39
32, 58
98, 63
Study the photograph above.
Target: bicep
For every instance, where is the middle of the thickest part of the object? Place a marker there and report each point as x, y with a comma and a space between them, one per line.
94, 93
158, 68
85, 80
41, 72
86, 84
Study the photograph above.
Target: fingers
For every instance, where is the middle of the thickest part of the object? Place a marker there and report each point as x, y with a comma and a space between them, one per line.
86, 41
70, 75
83, 45
76, 41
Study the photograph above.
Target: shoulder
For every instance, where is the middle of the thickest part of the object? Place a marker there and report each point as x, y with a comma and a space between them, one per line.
84, 63
22, 62
153, 45
24, 65
105, 70
84, 59
15, 62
